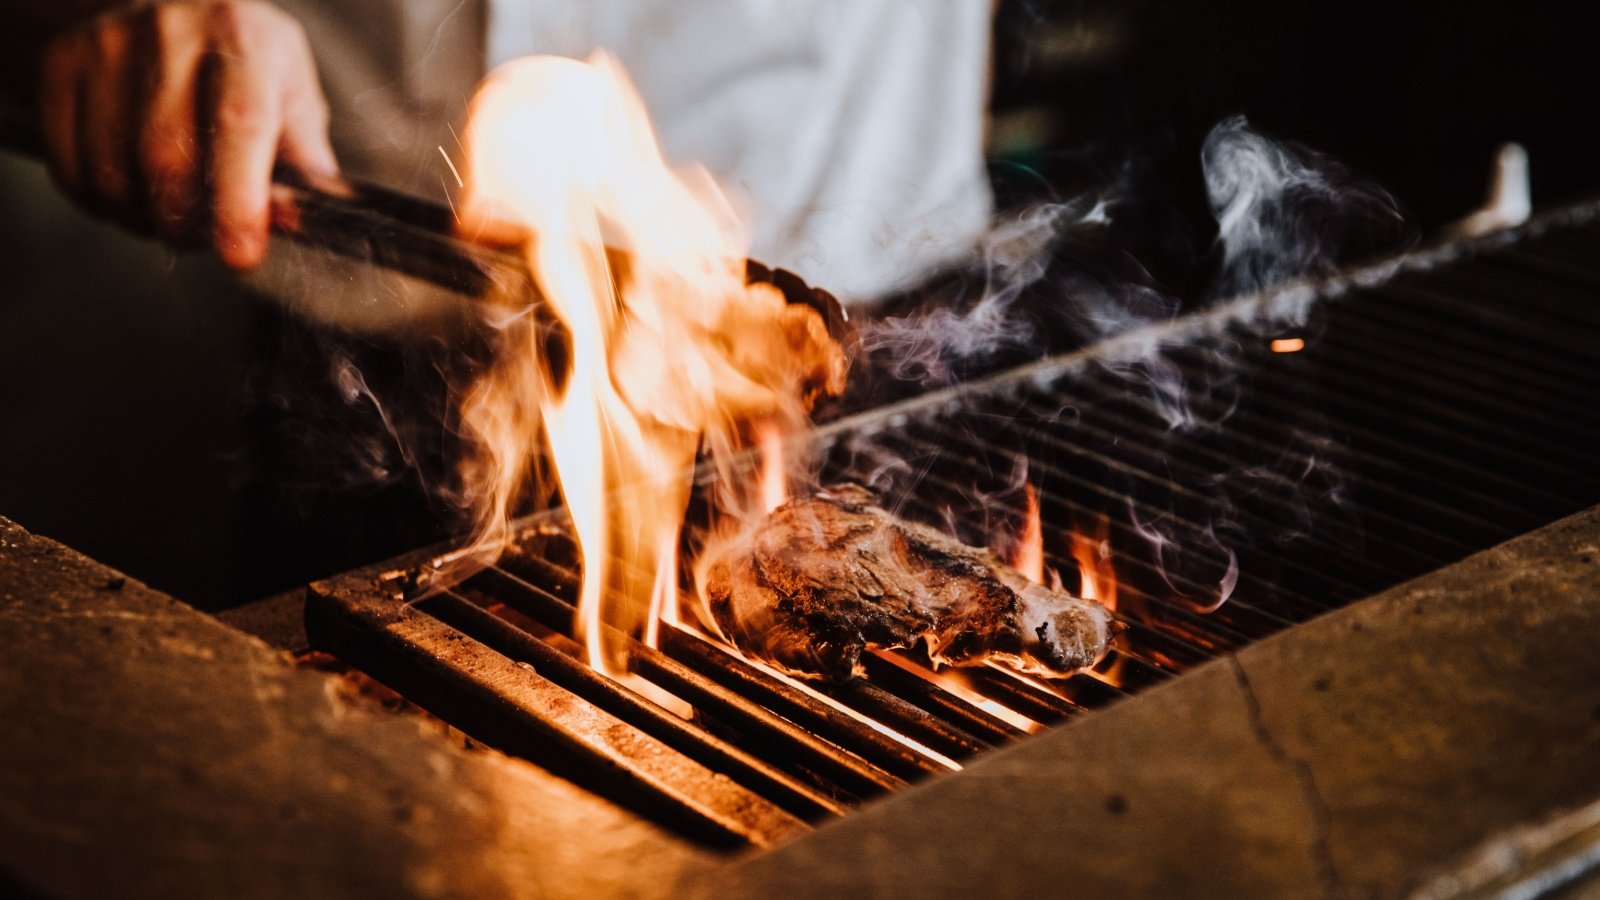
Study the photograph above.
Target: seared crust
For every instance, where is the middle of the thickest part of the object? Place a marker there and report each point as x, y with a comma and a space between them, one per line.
829, 575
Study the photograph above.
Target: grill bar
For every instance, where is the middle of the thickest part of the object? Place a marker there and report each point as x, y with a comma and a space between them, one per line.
1140, 439
509, 705
608, 695
1105, 492
885, 670
1201, 647
806, 710
789, 701
1089, 446
1250, 432
760, 729
1376, 451
1460, 353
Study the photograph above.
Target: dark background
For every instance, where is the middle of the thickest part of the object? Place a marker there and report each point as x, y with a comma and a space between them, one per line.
130, 421
1416, 95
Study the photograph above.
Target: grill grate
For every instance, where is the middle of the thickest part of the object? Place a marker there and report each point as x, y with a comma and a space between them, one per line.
1430, 415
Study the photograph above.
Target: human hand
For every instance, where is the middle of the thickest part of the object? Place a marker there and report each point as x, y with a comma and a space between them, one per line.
170, 116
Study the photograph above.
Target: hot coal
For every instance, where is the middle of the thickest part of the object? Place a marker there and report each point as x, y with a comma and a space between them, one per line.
827, 576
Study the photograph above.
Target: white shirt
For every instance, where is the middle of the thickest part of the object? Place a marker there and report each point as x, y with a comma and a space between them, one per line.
850, 131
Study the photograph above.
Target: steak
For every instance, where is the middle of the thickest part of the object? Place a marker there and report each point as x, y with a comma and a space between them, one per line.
827, 576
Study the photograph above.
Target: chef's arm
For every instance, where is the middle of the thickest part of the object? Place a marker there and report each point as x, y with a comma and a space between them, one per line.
169, 116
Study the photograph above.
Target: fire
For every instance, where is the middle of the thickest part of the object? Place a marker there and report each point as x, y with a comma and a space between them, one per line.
648, 345
774, 474
1288, 345
1028, 556
1092, 552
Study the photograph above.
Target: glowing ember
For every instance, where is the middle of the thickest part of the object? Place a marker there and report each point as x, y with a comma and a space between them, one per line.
1288, 345
649, 344
1092, 552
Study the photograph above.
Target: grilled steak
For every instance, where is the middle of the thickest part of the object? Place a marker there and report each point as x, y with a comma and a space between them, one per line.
829, 575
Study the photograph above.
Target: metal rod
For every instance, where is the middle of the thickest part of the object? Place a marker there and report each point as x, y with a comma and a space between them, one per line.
510, 706
734, 674
614, 698
1478, 350
1147, 437
1051, 500
760, 730
1466, 376
1415, 461
1108, 492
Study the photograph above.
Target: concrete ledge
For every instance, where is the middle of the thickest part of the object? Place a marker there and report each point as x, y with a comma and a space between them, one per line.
149, 750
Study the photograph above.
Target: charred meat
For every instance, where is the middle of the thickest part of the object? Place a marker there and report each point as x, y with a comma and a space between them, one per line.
829, 575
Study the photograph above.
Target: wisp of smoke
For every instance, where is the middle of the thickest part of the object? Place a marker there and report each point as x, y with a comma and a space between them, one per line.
1042, 285
1285, 211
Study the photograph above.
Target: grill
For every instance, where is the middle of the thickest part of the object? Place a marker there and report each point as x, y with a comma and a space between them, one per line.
1442, 403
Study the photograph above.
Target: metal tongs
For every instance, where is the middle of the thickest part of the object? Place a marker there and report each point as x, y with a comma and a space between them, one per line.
418, 237
413, 236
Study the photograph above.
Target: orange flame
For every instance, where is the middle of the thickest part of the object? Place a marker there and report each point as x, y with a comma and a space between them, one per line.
774, 477
1028, 555
648, 344
1097, 577
1288, 345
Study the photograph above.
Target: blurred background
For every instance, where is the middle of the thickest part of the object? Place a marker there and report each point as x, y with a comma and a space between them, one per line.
131, 398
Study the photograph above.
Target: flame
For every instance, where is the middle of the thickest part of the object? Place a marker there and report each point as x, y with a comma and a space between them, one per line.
1097, 577
959, 683
1028, 555
1288, 345
774, 477
648, 345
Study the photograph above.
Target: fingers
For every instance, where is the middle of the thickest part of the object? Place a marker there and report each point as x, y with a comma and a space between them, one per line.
60, 91
171, 115
247, 122
105, 135
169, 147
305, 143
266, 108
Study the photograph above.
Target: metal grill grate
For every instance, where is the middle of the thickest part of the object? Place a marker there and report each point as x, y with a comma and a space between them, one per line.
1430, 414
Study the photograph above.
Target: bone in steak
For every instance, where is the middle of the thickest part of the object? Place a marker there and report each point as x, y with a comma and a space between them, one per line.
827, 576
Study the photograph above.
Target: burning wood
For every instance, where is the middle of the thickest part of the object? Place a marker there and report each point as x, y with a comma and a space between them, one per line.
825, 577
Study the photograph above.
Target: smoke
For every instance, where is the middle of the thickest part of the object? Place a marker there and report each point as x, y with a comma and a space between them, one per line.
1051, 282
1285, 211
932, 344
1047, 282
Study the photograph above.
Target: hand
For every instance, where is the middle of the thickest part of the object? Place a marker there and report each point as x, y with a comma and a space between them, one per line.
170, 117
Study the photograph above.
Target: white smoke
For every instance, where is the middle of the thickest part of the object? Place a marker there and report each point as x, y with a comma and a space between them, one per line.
1043, 285
1285, 211
933, 344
